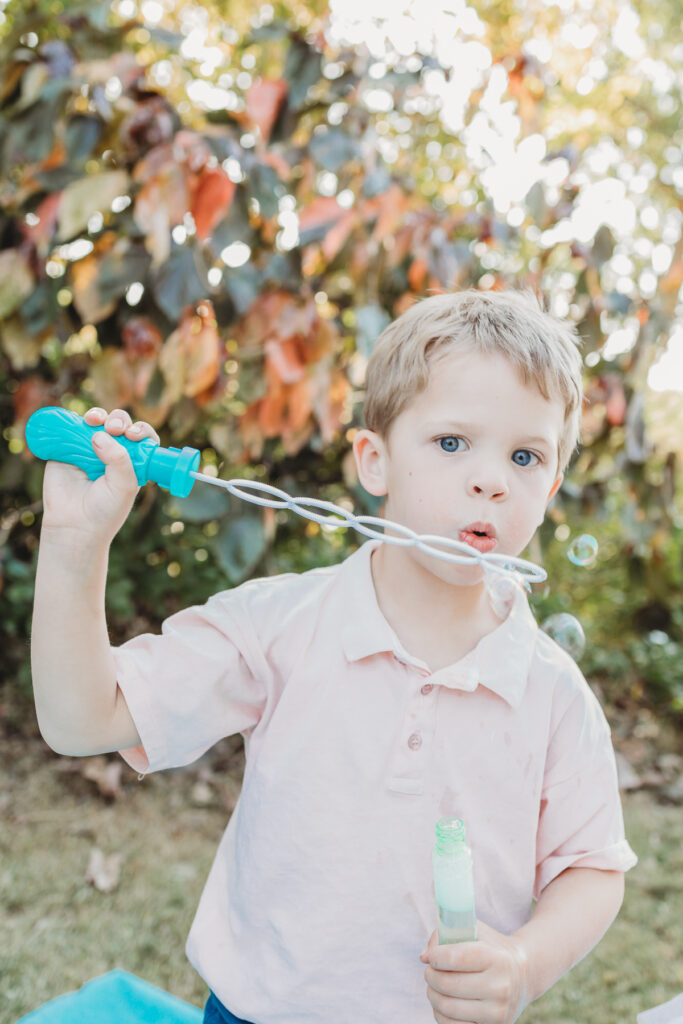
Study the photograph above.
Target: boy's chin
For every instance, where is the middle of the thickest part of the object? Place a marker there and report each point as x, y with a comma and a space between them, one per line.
457, 575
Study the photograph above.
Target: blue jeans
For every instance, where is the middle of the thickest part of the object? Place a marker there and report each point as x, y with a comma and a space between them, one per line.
216, 1013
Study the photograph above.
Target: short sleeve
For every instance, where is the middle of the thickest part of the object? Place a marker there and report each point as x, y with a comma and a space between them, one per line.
581, 821
202, 679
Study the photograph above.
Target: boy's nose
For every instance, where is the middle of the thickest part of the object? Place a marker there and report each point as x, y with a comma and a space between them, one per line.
490, 486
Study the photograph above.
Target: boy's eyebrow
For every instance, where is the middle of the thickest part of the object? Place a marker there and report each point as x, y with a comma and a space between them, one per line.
471, 428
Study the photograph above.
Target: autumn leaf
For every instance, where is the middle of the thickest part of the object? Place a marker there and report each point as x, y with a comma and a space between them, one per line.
103, 872
284, 357
211, 200
160, 205
105, 774
87, 196
263, 101
42, 233
190, 358
16, 280
141, 338
316, 218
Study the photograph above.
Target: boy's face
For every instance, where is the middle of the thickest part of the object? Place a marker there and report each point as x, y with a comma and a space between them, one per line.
476, 446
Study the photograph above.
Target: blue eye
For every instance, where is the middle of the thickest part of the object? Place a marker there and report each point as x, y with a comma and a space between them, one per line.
449, 444
526, 456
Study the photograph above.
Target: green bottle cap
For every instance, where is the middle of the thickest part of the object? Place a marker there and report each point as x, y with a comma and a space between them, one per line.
451, 829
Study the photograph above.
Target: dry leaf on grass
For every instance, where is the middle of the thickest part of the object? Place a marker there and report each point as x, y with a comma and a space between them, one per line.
104, 872
105, 774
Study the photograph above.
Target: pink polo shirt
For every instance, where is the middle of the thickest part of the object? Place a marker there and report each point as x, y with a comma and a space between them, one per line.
320, 898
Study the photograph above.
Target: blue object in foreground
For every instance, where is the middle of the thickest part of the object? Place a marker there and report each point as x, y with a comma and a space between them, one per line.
64, 436
116, 998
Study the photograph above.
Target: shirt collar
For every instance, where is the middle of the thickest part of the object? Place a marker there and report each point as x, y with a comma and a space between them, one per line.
500, 661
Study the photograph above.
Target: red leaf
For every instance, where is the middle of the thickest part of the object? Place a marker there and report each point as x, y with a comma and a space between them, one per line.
263, 101
322, 210
41, 234
212, 198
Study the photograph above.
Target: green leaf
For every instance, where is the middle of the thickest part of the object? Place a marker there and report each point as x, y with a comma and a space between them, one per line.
243, 285
370, 322
40, 309
265, 186
203, 504
87, 196
334, 148
30, 138
81, 136
377, 182
234, 227
16, 281
240, 545
124, 264
303, 68
177, 282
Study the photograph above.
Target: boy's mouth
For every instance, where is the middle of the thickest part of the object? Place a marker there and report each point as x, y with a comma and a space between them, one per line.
481, 536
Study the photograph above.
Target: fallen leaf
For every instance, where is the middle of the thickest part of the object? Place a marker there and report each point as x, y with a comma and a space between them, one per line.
104, 872
202, 794
105, 774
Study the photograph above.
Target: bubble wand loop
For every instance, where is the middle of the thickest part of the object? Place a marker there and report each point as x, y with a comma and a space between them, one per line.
61, 435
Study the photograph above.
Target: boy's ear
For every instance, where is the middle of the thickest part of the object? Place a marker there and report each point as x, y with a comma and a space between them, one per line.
369, 451
555, 488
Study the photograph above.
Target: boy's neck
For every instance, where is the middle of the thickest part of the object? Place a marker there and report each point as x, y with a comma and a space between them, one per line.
423, 610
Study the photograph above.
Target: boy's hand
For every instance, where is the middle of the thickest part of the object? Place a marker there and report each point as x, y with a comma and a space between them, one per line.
482, 982
78, 510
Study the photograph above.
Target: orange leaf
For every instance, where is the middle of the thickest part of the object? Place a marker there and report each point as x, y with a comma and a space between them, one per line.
162, 203
323, 210
141, 337
334, 240
191, 357
417, 273
284, 359
615, 406
211, 200
331, 390
263, 101
41, 234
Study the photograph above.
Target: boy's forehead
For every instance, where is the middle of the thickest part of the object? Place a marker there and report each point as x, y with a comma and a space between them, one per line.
466, 386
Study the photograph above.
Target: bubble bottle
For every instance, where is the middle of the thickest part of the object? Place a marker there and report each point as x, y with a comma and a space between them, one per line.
453, 883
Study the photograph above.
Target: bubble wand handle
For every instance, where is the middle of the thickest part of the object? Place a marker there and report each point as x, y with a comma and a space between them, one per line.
63, 436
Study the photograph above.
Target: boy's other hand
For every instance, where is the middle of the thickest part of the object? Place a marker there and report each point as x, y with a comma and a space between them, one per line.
484, 982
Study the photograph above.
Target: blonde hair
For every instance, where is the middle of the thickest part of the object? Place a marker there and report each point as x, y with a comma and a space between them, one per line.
512, 323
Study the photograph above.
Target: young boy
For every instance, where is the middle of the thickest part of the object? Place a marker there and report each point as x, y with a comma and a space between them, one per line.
374, 697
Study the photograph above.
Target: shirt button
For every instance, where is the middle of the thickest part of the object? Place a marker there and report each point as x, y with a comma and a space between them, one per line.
427, 688
415, 741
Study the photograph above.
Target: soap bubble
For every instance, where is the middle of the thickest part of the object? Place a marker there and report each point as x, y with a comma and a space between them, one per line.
501, 590
566, 631
583, 550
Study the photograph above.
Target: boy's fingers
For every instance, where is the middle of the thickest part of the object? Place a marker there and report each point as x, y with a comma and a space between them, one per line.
117, 421
95, 414
140, 429
433, 941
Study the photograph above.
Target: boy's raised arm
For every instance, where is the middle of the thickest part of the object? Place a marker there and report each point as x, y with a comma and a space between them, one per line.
79, 705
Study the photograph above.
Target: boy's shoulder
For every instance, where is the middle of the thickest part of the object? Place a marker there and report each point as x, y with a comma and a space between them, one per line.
286, 589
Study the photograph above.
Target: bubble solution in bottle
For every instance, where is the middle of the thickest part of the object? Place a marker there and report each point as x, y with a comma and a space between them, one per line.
453, 883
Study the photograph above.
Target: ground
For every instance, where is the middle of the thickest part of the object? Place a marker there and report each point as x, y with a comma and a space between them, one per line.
70, 914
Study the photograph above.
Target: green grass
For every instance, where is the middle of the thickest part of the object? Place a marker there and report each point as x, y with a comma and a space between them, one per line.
58, 932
